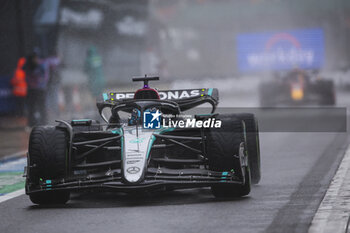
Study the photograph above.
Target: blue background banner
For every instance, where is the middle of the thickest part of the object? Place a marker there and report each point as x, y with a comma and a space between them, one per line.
281, 50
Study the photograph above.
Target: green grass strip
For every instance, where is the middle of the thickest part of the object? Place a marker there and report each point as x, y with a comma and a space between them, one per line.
10, 182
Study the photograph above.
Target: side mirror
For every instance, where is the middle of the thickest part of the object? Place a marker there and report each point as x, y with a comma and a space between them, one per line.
102, 107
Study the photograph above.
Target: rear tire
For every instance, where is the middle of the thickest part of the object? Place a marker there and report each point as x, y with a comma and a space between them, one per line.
47, 160
222, 150
326, 90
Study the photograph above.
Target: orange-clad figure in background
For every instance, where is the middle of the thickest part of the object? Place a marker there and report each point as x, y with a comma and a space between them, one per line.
20, 87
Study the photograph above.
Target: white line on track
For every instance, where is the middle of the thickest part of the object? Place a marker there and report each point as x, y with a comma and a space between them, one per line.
11, 165
11, 195
334, 211
14, 165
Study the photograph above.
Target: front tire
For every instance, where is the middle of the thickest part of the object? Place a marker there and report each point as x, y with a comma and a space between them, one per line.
223, 147
227, 191
253, 146
47, 160
50, 197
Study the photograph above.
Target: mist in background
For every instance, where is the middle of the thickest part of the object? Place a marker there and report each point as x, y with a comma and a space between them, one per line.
190, 39
229, 44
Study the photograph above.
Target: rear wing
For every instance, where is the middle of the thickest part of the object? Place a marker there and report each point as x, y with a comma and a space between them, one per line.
186, 98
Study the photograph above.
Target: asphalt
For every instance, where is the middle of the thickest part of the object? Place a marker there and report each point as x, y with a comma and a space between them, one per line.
297, 169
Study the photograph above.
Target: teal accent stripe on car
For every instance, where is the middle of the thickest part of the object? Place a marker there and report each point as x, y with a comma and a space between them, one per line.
163, 130
121, 147
120, 132
82, 120
105, 96
210, 91
48, 184
151, 141
209, 114
117, 131
223, 176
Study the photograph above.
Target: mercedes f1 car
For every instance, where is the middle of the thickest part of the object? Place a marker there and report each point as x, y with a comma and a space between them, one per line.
124, 154
297, 88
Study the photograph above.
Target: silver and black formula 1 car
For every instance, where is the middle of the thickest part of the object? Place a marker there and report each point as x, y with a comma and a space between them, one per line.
128, 154
295, 88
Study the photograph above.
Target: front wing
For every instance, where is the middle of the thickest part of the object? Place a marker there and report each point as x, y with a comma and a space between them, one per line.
156, 178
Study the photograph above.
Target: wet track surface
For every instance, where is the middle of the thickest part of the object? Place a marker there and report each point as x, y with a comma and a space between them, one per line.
297, 168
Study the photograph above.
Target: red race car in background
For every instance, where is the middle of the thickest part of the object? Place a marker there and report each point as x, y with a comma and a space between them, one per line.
297, 87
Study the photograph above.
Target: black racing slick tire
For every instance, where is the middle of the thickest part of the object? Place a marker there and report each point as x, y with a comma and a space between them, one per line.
223, 145
253, 146
229, 191
50, 197
47, 160
326, 90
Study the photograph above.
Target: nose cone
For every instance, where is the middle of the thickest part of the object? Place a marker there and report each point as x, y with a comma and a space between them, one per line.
135, 153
